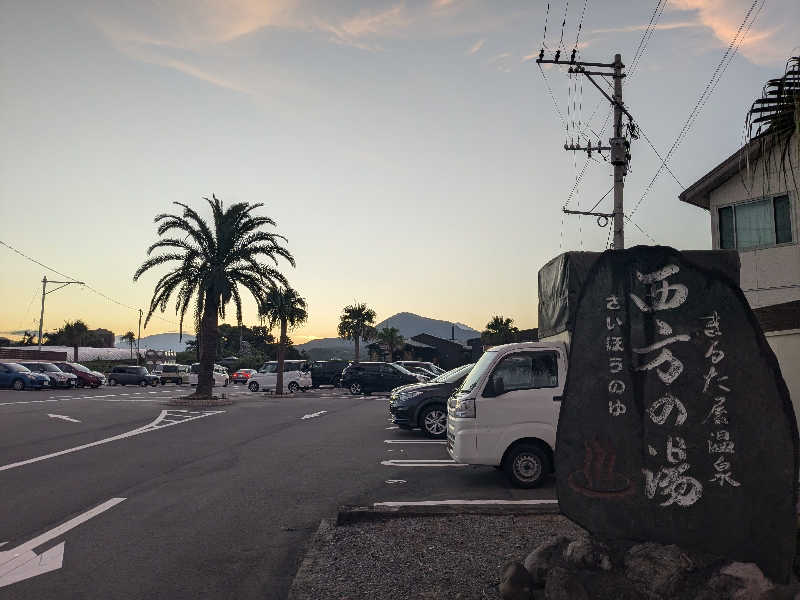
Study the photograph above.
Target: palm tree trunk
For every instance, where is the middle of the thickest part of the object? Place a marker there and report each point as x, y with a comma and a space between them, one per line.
281, 354
355, 339
208, 346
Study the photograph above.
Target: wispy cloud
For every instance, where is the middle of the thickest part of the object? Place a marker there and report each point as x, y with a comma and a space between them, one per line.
658, 26
477, 46
771, 39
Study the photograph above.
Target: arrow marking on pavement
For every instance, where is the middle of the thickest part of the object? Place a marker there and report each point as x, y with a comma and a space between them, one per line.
22, 562
312, 415
63, 418
176, 418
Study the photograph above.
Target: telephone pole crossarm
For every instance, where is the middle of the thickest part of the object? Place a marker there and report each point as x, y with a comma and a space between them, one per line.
588, 212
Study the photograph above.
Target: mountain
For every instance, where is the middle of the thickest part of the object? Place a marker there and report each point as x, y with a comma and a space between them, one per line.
410, 325
407, 323
160, 341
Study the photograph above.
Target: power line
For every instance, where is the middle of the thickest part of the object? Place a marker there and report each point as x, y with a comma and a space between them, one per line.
75, 279
722, 66
647, 34
580, 25
563, 24
647, 139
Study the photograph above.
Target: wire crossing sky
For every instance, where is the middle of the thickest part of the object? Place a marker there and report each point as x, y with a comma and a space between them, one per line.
410, 150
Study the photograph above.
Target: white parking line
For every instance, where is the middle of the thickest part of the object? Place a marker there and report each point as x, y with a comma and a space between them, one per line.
464, 502
421, 463
312, 415
152, 426
414, 442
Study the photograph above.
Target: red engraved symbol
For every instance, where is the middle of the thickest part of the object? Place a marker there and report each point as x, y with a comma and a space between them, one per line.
598, 479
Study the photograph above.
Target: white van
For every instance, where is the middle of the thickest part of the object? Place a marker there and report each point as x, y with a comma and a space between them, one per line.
220, 374
296, 376
505, 413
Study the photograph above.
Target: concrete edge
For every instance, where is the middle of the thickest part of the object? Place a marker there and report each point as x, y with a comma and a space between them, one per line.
358, 514
324, 532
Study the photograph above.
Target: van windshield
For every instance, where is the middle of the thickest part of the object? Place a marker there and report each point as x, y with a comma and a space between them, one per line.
454, 375
477, 372
271, 367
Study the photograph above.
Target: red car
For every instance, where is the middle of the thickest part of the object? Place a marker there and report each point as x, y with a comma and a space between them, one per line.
242, 375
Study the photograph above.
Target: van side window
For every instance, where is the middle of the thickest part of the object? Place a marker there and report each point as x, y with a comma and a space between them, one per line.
528, 370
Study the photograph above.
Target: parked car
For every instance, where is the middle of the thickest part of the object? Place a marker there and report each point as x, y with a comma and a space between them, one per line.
424, 374
428, 366
327, 372
424, 405
132, 376
15, 376
505, 413
100, 376
57, 377
84, 375
368, 377
243, 375
177, 374
296, 376
219, 373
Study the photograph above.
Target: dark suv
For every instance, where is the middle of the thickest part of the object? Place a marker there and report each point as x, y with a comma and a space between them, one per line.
327, 372
131, 375
368, 377
424, 405
176, 374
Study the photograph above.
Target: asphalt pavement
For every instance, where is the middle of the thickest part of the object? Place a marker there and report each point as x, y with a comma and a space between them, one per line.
111, 493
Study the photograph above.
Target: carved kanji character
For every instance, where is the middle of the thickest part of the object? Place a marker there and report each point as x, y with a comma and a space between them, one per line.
676, 449
665, 296
615, 386
714, 354
614, 344
615, 364
612, 303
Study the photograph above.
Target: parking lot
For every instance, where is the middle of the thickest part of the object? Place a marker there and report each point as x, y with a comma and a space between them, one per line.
173, 489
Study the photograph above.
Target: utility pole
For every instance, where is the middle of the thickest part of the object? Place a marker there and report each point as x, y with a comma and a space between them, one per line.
618, 145
44, 293
138, 337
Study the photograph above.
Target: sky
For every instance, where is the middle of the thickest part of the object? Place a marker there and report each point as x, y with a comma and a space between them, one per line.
409, 150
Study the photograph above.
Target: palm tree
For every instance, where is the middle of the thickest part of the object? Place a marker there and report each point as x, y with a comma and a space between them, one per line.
213, 260
74, 335
356, 322
500, 330
285, 307
129, 337
392, 338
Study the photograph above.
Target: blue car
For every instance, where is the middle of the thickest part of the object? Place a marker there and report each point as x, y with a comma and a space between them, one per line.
18, 377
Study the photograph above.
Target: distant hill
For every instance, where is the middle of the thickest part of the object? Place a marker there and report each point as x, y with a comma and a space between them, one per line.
410, 325
407, 323
160, 341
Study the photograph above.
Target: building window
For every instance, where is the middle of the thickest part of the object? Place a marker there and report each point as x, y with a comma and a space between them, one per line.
755, 224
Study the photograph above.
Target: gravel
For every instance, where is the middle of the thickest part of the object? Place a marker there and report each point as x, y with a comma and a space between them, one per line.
451, 557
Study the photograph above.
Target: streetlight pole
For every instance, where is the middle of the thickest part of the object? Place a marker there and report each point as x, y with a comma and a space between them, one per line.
45, 281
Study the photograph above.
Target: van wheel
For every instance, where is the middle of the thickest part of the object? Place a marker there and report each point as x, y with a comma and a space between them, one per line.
526, 466
253, 386
143, 383
163, 382
355, 388
433, 421
293, 387
112, 381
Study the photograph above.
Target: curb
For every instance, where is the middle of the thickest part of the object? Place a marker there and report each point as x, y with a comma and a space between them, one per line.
359, 514
324, 532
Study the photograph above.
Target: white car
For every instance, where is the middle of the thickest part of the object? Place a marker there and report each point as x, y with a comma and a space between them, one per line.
505, 413
220, 373
296, 376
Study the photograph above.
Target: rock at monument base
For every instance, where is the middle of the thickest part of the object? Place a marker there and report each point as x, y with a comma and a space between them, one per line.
539, 562
623, 570
657, 568
516, 583
561, 585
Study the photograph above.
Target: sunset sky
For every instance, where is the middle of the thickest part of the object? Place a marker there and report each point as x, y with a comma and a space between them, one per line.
408, 150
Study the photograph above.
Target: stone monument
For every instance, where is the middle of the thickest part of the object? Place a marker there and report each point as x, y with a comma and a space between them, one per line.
676, 426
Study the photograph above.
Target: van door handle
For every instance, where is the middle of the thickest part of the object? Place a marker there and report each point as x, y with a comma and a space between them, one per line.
557, 398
